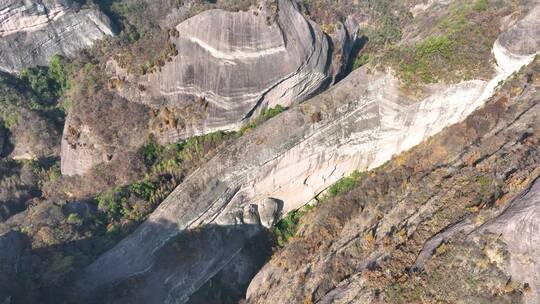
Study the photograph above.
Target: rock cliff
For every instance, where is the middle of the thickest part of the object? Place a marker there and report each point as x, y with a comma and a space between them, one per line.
31, 32
451, 220
229, 66
232, 64
357, 125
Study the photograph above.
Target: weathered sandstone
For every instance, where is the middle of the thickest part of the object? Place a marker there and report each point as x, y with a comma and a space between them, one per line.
31, 32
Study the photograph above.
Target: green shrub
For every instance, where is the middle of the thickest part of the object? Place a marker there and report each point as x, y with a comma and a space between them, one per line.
111, 203
481, 5
421, 59
458, 46
48, 82
362, 59
287, 227
74, 219
344, 185
151, 151
145, 189
265, 115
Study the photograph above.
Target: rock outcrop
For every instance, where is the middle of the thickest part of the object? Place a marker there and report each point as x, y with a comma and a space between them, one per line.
453, 220
519, 227
232, 64
357, 125
229, 66
31, 32
104, 128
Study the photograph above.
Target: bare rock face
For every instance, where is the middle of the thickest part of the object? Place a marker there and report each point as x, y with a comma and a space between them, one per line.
358, 124
519, 227
232, 64
455, 218
31, 32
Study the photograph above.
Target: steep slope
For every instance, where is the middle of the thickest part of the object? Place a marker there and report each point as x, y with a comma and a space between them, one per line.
359, 124
221, 70
450, 221
32, 32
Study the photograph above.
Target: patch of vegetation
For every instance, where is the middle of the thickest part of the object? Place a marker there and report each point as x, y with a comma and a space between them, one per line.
486, 187
167, 165
48, 83
39, 90
344, 185
45, 170
462, 272
481, 5
421, 61
457, 47
362, 59
286, 228
74, 219
265, 115
384, 31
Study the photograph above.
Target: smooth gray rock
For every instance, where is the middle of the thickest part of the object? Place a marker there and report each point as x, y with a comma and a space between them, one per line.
230, 65
519, 226
31, 32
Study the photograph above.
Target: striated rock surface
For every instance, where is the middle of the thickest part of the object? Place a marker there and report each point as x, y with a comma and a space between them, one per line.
519, 227
358, 124
232, 64
452, 220
31, 32
229, 66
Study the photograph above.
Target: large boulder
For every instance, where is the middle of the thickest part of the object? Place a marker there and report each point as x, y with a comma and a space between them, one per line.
232, 64
31, 32
229, 66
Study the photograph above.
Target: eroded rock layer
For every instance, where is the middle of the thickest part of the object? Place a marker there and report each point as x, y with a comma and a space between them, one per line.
452, 220
234, 63
358, 124
228, 68
31, 32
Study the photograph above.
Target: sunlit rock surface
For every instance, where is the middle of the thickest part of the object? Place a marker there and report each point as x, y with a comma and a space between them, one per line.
231, 64
31, 32
229, 67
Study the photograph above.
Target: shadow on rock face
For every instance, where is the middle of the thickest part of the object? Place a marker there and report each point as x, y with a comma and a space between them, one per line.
209, 264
